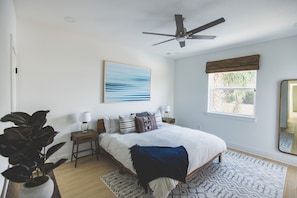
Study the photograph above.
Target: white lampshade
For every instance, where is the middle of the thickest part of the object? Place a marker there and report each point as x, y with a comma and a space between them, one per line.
167, 109
181, 39
85, 117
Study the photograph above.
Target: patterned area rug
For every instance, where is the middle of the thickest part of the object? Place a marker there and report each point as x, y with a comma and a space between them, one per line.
286, 141
237, 176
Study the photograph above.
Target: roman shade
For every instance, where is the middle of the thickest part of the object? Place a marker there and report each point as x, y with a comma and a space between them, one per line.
234, 64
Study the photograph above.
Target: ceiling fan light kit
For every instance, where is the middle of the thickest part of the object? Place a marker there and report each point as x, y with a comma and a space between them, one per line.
181, 39
182, 35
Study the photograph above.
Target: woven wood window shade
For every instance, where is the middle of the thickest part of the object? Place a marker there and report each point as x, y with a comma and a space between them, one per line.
234, 64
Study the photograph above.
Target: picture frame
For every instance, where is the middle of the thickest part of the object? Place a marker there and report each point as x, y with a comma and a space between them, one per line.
123, 83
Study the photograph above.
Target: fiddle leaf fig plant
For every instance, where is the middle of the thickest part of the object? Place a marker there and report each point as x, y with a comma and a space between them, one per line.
25, 146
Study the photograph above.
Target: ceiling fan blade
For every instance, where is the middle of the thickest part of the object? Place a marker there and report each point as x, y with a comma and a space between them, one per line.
206, 26
179, 24
160, 34
182, 43
164, 41
201, 37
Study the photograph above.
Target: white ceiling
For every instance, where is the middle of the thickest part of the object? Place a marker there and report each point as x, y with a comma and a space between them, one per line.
247, 21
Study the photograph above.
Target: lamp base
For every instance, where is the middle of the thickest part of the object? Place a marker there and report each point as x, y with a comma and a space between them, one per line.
166, 114
84, 127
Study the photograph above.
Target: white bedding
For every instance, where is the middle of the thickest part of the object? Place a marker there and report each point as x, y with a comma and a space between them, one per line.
201, 148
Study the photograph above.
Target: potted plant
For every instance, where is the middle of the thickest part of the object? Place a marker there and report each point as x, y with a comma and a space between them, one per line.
25, 147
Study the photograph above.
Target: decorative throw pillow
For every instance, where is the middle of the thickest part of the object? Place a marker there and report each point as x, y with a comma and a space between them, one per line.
158, 118
145, 123
142, 114
127, 124
112, 124
106, 124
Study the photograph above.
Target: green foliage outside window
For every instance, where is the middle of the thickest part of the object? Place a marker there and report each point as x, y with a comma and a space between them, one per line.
232, 91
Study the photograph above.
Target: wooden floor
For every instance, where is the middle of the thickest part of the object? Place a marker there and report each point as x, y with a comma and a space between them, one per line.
84, 180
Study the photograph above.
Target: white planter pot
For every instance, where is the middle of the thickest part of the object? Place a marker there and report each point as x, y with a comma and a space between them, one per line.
43, 191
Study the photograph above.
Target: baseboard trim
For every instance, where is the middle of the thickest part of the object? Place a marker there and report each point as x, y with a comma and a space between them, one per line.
276, 156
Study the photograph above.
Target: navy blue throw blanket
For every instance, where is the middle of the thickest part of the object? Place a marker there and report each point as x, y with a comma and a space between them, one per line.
151, 162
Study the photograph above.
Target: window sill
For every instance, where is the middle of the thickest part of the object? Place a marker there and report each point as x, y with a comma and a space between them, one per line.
232, 117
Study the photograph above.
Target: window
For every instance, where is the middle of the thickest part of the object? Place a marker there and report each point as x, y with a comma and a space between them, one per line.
232, 93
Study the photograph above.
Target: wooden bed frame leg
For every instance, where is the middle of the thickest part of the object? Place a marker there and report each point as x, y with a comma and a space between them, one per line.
121, 171
220, 158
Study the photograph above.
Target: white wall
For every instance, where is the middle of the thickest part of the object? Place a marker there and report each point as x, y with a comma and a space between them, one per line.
63, 72
277, 62
7, 27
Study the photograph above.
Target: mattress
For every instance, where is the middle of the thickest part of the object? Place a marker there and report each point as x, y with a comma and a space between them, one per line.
201, 147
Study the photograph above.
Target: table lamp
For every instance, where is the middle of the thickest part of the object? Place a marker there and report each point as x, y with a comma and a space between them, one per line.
85, 118
166, 110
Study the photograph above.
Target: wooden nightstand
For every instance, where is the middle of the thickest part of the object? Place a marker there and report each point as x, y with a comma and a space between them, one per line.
168, 120
78, 137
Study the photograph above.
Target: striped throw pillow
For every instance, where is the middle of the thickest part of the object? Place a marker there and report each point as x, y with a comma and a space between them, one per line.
127, 124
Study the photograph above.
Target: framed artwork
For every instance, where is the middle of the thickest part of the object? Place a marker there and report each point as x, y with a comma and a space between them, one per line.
126, 82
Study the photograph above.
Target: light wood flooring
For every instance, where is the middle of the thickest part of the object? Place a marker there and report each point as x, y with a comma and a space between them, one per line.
84, 180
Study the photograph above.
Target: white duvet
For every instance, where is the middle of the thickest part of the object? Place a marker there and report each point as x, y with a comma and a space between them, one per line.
201, 148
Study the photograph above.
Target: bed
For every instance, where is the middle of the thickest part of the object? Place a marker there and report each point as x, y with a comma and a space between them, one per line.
201, 147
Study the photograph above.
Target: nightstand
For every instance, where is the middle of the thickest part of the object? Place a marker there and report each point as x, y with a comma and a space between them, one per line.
79, 137
168, 120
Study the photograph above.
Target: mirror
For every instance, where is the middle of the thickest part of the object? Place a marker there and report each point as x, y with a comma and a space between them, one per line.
288, 117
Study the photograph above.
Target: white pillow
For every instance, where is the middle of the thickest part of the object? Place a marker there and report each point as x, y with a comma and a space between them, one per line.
106, 124
127, 124
158, 118
112, 124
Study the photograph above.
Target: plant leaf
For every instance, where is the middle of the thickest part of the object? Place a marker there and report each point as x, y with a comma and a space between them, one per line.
48, 167
17, 174
24, 115
26, 156
17, 158
53, 149
17, 133
46, 136
18, 118
6, 148
38, 119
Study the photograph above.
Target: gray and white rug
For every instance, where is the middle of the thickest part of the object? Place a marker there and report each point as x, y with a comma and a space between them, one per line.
237, 176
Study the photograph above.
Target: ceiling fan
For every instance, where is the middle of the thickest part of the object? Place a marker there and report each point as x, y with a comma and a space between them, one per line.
181, 32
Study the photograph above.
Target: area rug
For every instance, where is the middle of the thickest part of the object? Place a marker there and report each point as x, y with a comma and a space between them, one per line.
286, 141
237, 176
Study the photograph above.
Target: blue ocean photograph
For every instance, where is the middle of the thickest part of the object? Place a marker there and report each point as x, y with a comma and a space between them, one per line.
126, 83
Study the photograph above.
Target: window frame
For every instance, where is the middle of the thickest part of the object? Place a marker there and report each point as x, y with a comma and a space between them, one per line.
210, 109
